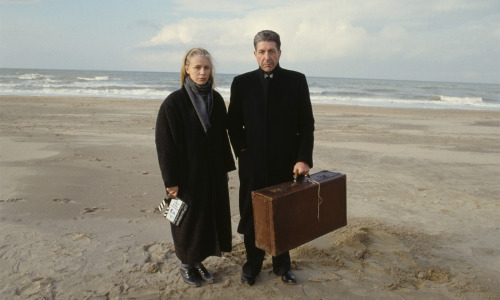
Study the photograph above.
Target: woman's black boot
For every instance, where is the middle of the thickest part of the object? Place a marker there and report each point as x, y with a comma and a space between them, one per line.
188, 273
204, 274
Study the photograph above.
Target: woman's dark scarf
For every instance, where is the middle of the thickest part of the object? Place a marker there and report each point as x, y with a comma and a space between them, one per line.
202, 98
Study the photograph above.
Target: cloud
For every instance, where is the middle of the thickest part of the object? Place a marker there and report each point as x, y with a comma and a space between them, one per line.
333, 32
219, 6
232, 36
329, 26
176, 34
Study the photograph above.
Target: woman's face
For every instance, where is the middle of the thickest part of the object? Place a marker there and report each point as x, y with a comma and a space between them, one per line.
199, 69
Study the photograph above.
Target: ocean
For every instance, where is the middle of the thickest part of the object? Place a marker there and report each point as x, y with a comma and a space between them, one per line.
325, 90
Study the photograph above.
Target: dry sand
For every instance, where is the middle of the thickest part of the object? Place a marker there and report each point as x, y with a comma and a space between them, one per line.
80, 181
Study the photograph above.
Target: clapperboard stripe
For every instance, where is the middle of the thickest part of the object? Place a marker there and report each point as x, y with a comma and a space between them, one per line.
162, 205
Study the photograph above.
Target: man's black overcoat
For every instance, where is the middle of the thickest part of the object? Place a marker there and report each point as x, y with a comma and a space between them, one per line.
277, 130
198, 163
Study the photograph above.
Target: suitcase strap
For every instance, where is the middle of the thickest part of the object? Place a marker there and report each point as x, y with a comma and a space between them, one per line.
320, 200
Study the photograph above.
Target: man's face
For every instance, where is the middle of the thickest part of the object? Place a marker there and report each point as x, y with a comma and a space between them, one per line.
267, 55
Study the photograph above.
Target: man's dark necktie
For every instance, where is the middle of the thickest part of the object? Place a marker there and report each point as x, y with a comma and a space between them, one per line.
267, 80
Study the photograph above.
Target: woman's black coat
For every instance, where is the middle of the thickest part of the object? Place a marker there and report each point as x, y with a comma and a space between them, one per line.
198, 163
276, 129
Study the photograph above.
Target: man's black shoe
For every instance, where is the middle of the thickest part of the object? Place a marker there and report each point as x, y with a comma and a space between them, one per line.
289, 278
204, 274
189, 275
247, 279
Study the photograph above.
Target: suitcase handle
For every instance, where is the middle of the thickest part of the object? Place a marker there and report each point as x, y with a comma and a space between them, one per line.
296, 175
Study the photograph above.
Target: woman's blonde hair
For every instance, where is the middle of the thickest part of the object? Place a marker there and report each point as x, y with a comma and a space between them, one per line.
187, 60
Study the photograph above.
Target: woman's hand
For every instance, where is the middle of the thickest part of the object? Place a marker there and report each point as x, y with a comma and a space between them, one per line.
173, 190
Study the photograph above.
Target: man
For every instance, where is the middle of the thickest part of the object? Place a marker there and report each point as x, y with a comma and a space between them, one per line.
270, 125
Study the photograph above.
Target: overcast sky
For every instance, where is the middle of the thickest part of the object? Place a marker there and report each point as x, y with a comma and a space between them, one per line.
434, 40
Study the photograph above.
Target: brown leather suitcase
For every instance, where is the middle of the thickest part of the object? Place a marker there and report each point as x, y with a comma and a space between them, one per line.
290, 214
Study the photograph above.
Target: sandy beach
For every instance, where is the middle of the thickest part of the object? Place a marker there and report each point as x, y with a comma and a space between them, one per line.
79, 184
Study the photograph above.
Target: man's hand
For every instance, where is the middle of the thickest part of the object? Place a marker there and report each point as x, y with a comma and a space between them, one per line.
301, 168
173, 190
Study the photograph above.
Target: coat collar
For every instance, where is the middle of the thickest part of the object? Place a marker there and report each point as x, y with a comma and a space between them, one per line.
276, 71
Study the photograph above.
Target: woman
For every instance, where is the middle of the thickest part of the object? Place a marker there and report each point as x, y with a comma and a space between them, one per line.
195, 157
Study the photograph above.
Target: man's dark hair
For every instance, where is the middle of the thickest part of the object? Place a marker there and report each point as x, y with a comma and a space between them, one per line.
267, 35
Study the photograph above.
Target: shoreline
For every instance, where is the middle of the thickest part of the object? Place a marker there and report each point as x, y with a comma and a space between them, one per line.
319, 105
80, 181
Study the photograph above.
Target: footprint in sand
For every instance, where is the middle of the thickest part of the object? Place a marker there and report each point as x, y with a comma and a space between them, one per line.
91, 210
40, 288
12, 200
63, 201
73, 244
78, 236
158, 256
